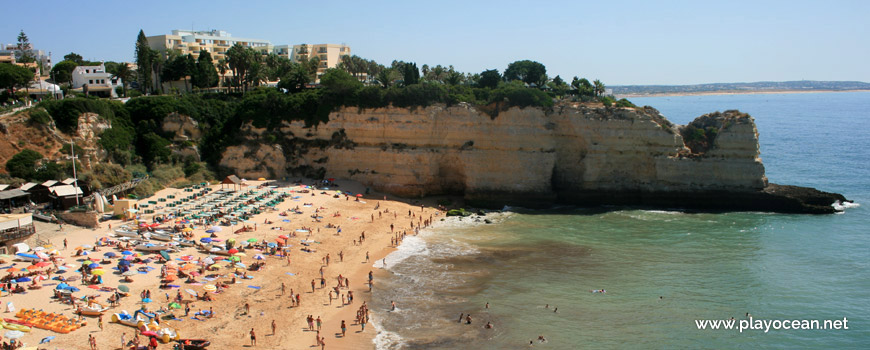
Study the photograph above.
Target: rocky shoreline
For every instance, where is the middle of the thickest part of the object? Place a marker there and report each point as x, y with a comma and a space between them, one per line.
773, 198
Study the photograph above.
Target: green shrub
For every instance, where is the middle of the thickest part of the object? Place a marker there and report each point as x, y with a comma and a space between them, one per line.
624, 103
39, 116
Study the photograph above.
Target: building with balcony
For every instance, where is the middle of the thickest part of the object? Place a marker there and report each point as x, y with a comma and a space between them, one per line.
94, 80
329, 55
216, 42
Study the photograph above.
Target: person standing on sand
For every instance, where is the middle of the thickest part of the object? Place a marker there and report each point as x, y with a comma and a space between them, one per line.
367, 256
253, 338
319, 323
123, 340
460, 317
343, 328
64, 244
273, 327
283, 288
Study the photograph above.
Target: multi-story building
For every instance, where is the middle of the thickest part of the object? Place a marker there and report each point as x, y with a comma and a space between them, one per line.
95, 81
216, 42
329, 54
9, 53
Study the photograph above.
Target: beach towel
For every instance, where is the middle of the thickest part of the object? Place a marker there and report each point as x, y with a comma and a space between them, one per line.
291, 274
254, 287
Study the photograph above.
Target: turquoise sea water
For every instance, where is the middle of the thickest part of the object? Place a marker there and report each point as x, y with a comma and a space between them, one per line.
705, 266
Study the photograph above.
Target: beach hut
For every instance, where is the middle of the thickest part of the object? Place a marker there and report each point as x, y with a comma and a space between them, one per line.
13, 198
65, 196
233, 181
126, 208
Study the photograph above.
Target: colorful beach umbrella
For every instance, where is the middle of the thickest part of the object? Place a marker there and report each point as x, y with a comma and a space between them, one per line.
209, 287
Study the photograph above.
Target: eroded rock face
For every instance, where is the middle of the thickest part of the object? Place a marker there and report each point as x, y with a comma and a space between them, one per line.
522, 153
183, 127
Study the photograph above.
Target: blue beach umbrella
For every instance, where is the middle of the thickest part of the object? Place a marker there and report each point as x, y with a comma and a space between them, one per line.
110, 255
94, 265
205, 240
127, 252
23, 279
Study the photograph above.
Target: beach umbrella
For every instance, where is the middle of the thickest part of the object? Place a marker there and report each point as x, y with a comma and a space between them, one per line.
42, 264
110, 255
13, 269
240, 254
216, 228
209, 287
130, 273
187, 258
208, 261
272, 245
205, 240
241, 266
23, 279
187, 229
359, 195
214, 266
14, 334
146, 300
188, 267
233, 251
164, 254
128, 258
174, 305
85, 252
98, 272
41, 277
72, 289
124, 288
127, 252
149, 334
259, 257
87, 246
252, 240
235, 258
170, 278
93, 265
210, 231
283, 237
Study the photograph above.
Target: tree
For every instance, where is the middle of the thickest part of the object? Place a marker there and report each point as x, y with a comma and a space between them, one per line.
12, 76
240, 59
529, 72
222, 68
295, 79
144, 60
122, 71
408, 70
74, 57
23, 164
204, 74
387, 76
598, 87
489, 79
25, 51
339, 81
583, 87
558, 86
62, 72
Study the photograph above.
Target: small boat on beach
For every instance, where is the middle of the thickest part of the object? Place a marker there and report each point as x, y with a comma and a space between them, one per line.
161, 236
148, 247
93, 310
127, 233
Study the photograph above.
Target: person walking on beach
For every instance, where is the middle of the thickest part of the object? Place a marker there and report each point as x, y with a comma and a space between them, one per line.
253, 338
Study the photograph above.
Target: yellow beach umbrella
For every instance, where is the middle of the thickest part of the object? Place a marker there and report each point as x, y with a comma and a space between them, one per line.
98, 272
209, 288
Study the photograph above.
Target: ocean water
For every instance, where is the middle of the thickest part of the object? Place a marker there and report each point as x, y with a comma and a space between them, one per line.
703, 266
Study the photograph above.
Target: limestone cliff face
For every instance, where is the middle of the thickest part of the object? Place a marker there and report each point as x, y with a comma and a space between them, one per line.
532, 153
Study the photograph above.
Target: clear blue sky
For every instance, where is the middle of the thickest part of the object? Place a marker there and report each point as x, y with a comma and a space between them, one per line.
627, 42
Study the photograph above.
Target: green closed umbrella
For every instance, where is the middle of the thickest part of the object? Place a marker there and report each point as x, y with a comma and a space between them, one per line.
124, 289
174, 305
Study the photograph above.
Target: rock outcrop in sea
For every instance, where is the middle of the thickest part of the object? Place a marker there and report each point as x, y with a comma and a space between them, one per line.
532, 157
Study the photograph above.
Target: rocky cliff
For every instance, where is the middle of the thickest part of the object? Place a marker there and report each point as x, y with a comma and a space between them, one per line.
529, 157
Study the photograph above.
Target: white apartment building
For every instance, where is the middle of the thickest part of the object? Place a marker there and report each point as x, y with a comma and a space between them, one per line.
95, 81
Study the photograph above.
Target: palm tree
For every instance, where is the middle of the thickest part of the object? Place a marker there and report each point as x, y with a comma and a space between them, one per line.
599, 87
222, 69
124, 73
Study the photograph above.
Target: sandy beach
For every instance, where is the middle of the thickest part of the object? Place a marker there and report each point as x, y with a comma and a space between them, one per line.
231, 325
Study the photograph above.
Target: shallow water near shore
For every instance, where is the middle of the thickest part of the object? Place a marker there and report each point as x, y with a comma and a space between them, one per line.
704, 266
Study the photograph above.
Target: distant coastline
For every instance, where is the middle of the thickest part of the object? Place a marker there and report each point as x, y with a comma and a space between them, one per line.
731, 92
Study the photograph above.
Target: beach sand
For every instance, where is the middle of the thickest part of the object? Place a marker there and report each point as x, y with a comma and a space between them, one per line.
230, 326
